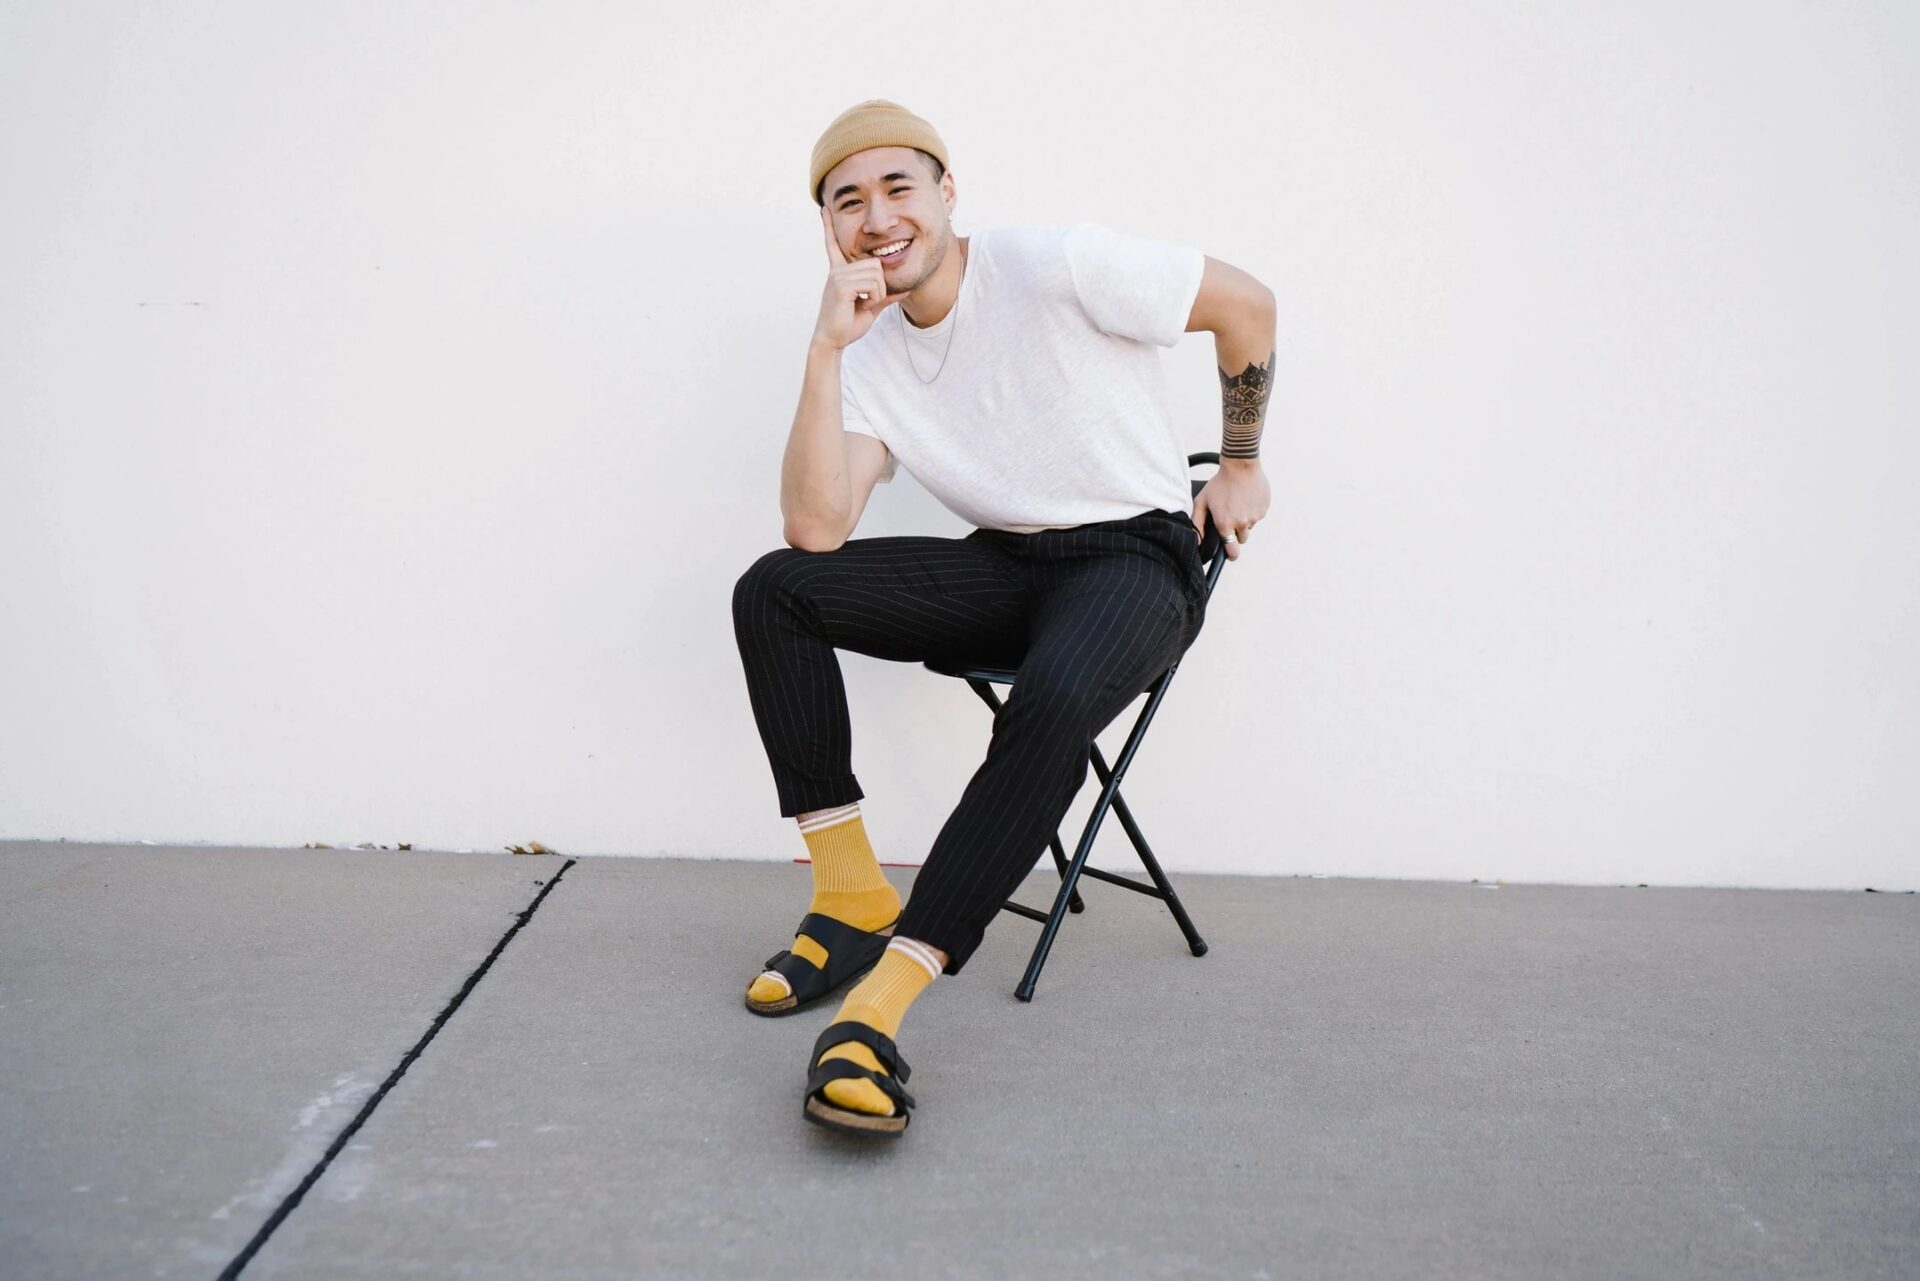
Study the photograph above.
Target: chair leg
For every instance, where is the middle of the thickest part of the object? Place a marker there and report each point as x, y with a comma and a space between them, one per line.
1031, 978
1195, 943
1110, 798
1074, 903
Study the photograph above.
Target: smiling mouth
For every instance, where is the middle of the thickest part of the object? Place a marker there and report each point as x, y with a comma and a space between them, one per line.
899, 253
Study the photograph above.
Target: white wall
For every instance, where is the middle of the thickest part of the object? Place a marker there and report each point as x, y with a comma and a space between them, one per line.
392, 394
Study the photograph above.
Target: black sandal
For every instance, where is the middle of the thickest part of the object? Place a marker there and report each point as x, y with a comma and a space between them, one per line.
819, 1110
851, 952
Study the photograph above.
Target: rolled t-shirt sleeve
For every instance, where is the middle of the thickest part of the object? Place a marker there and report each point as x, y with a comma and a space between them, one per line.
853, 419
1131, 285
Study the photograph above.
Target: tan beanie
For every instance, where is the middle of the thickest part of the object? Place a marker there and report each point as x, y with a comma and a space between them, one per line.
873, 123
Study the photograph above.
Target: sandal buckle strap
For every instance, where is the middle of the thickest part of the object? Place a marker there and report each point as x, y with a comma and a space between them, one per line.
872, 1037
838, 1069
837, 936
849, 950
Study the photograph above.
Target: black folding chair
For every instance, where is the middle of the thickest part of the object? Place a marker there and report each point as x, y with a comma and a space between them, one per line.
982, 680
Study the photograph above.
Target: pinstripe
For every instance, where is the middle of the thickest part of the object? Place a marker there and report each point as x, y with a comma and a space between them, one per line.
1078, 669
1089, 616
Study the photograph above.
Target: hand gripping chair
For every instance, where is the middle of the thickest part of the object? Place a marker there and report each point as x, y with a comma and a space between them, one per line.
982, 680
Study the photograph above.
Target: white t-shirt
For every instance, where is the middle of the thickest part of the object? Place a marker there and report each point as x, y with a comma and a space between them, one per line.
1051, 409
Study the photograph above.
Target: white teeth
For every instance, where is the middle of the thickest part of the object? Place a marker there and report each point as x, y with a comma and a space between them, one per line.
888, 251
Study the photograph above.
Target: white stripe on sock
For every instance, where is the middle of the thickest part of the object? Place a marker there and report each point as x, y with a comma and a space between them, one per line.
830, 818
776, 974
914, 949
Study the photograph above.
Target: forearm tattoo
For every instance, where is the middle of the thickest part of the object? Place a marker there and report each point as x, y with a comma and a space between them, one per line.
1243, 408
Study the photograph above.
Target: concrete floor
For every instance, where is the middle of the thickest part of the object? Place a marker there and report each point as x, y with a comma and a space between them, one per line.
1361, 1079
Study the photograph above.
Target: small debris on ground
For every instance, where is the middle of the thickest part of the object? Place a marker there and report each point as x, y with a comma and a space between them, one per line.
364, 845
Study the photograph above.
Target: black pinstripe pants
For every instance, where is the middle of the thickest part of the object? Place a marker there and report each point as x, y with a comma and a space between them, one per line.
1088, 616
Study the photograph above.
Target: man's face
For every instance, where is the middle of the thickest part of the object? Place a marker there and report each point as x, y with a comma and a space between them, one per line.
884, 195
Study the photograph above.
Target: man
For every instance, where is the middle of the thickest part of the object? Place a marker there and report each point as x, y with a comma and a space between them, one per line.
1039, 416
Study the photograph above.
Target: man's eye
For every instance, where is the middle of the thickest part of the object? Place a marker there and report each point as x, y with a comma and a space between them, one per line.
894, 192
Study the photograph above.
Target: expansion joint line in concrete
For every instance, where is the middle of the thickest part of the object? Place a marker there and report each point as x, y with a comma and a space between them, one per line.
366, 1110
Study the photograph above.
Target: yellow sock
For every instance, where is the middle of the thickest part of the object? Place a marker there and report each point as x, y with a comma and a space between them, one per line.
879, 1000
847, 885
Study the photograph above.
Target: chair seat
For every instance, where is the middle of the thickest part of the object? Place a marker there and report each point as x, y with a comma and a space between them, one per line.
970, 671
991, 675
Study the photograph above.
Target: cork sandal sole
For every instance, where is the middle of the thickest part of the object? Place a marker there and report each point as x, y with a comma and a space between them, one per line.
819, 1110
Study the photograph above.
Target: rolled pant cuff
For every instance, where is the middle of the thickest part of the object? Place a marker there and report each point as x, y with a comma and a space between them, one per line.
801, 796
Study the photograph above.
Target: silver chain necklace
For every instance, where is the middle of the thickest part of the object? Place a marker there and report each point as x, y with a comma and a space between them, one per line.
906, 347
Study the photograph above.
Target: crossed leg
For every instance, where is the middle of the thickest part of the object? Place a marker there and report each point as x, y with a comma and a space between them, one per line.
904, 598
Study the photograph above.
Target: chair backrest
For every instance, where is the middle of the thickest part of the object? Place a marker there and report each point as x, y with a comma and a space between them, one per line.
1213, 548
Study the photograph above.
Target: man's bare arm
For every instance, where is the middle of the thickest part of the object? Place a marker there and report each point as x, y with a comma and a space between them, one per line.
819, 501
1242, 315
1243, 396
816, 497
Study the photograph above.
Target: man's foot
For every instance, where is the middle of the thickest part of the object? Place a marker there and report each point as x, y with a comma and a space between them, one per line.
849, 1092
880, 1001
848, 887
824, 1112
873, 910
